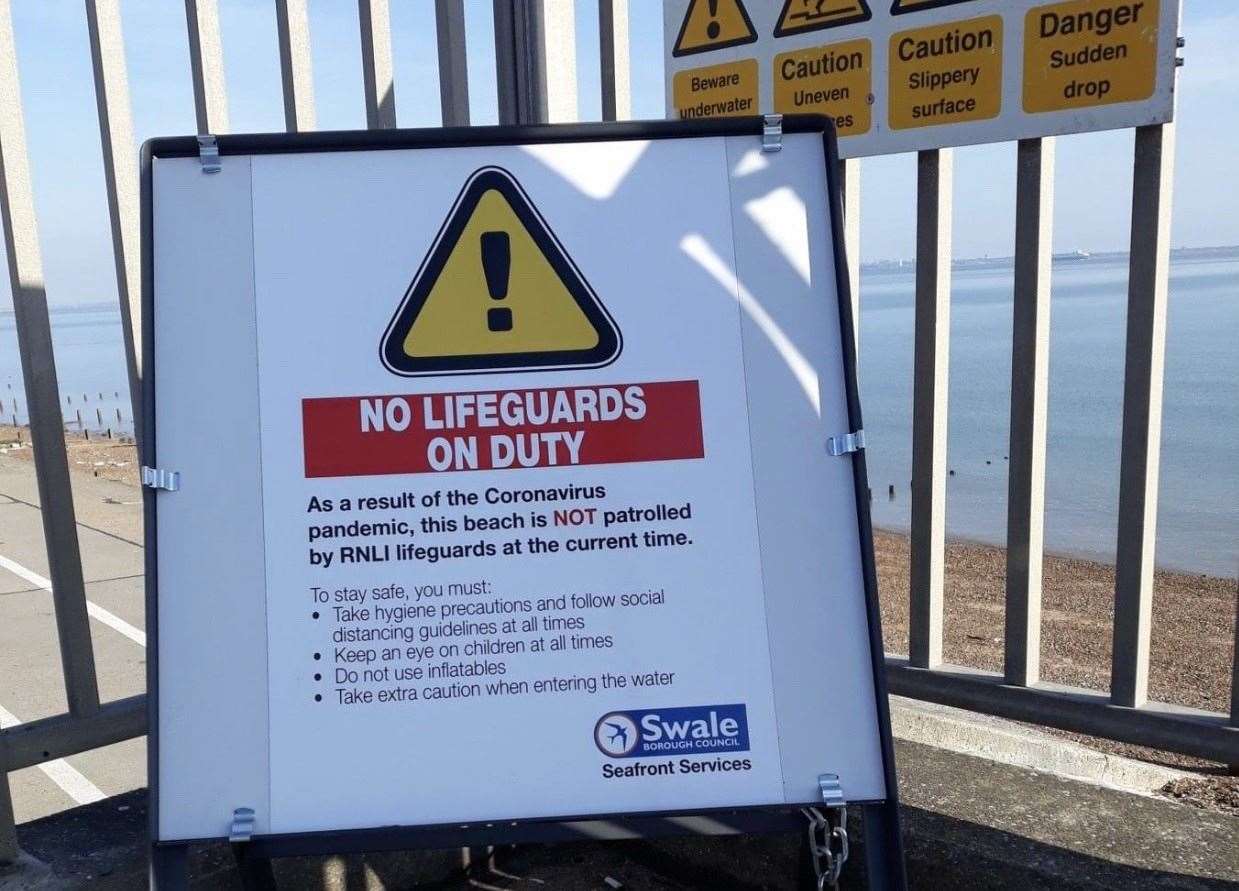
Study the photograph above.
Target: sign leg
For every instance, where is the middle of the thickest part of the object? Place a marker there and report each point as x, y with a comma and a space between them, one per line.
169, 868
256, 872
884, 863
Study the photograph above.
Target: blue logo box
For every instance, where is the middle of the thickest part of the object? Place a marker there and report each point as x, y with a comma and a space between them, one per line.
684, 730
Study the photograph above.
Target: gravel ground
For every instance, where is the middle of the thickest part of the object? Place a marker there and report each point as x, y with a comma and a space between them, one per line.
1191, 651
112, 459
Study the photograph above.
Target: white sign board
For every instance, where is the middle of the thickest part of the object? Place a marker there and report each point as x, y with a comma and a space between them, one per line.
503, 490
905, 75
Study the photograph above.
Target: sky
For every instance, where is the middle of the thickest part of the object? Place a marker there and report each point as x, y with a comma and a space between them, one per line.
1093, 182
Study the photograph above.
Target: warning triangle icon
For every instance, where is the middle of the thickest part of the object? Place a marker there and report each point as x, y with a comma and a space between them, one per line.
799, 16
498, 292
713, 24
899, 7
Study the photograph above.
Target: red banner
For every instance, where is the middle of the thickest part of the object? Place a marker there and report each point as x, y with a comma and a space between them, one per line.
502, 429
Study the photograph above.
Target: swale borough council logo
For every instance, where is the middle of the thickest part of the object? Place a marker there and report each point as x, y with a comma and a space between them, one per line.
683, 730
616, 734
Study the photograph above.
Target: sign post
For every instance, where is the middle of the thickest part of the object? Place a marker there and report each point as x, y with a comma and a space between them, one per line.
907, 75
493, 494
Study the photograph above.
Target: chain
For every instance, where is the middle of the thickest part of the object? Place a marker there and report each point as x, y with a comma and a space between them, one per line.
828, 845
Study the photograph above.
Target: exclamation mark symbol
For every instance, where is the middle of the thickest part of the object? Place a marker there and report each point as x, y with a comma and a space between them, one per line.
713, 29
497, 266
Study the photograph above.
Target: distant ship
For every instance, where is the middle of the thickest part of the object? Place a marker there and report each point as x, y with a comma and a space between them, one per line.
1071, 256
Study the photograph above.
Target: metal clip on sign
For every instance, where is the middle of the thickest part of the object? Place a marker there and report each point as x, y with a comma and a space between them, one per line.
242, 825
208, 154
828, 840
157, 478
772, 133
846, 444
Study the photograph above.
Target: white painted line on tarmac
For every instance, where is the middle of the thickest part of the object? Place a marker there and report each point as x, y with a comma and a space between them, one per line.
60, 771
94, 610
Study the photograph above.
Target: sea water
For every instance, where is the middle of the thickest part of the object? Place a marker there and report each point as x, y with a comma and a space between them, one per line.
1198, 509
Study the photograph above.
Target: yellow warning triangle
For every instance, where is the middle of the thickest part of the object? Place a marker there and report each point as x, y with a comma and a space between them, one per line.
497, 292
714, 24
799, 16
901, 6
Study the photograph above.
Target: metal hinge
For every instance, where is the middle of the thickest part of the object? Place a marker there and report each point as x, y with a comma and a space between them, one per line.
772, 133
208, 153
832, 792
828, 840
846, 444
242, 825
157, 478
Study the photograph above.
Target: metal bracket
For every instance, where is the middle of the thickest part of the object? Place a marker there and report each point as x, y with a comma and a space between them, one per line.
157, 478
772, 133
242, 825
832, 792
828, 841
208, 154
845, 445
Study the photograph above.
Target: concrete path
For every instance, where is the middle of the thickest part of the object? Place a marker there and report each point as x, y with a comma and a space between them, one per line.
31, 684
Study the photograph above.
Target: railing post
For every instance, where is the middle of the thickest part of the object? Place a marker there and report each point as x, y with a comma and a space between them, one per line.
1234, 673
558, 30
453, 67
206, 66
8, 828
34, 342
615, 60
292, 23
929, 405
376, 63
120, 171
1148, 284
535, 61
1030, 354
849, 184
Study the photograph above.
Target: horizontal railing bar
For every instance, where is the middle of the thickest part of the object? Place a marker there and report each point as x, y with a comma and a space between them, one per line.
47, 739
1162, 726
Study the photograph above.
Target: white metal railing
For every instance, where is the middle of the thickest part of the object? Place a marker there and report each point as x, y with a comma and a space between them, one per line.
536, 73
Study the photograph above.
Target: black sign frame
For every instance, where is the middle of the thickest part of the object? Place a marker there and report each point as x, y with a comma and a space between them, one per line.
883, 844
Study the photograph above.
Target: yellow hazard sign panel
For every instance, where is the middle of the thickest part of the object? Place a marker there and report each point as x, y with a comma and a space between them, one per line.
714, 24
946, 74
799, 16
1085, 53
902, 6
716, 91
498, 292
835, 80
